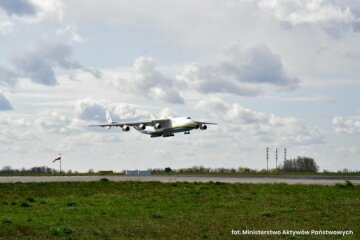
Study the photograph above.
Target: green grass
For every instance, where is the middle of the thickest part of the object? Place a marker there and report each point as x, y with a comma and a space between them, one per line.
153, 210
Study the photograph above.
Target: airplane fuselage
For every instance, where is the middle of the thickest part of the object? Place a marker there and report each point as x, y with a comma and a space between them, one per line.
174, 125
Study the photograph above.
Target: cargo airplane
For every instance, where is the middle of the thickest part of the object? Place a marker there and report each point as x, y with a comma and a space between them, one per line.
159, 127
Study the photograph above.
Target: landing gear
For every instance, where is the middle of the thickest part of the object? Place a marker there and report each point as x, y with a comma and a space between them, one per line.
186, 132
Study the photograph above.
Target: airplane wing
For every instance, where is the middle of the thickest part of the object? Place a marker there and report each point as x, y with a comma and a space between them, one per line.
132, 124
205, 123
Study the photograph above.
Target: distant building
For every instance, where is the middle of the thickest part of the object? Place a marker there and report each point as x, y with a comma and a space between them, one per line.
137, 173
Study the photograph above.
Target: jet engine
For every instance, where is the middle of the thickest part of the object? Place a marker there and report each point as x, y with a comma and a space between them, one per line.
157, 126
203, 127
125, 128
142, 126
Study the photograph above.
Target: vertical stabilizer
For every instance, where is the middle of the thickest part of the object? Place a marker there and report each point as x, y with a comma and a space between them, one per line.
108, 117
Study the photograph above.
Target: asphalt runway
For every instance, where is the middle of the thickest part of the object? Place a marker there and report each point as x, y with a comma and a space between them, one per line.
314, 180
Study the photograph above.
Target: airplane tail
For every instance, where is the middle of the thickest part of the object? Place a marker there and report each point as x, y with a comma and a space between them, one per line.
108, 117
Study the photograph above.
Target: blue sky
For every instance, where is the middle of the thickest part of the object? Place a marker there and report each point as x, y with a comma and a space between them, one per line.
271, 73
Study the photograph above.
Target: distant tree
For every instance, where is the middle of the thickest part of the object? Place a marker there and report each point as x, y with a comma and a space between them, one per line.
168, 169
7, 169
300, 164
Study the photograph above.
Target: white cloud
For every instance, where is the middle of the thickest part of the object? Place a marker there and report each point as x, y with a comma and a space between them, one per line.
4, 103
28, 11
267, 128
307, 11
167, 113
38, 62
18, 7
8, 77
349, 125
91, 109
14, 130
243, 72
145, 80
149, 81
70, 30
46, 9
52, 121
6, 26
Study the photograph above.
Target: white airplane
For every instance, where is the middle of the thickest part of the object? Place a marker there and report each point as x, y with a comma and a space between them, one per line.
157, 128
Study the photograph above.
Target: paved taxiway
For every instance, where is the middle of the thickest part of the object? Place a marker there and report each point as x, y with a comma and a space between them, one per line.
319, 180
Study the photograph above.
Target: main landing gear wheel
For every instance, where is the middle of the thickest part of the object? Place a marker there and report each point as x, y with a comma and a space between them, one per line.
186, 132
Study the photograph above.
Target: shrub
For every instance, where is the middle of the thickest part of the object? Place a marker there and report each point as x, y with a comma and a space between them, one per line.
349, 184
6, 221
103, 180
70, 204
61, 231
25, 204
30, 199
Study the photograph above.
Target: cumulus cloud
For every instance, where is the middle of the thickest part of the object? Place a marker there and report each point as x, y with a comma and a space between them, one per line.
27, 11
265, 127
168, 113
211, 79
149, 81
242, 73
4, 103
14, 129
298, 12
145, 80
92, 109
18, 7
8, 77
349, 125
70, 30
38, 63
88, 109
52, 121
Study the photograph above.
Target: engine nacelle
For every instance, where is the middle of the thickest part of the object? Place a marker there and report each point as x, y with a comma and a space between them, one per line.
107, 127
157, 126
125, 128
197, 126
203, 127
142, 126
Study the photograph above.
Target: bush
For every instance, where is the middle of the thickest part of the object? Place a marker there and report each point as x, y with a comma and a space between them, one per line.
25, 204
6, 221
70, 204
30, 199
349, 184
61, 231
104, 180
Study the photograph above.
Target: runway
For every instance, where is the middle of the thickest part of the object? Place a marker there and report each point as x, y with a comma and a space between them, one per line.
314, 180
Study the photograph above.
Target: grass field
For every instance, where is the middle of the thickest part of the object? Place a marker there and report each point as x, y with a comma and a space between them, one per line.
152, 210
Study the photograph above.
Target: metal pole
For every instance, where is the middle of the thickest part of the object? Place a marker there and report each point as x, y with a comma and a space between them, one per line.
284, 154
276, 156
60, 163
267, 159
